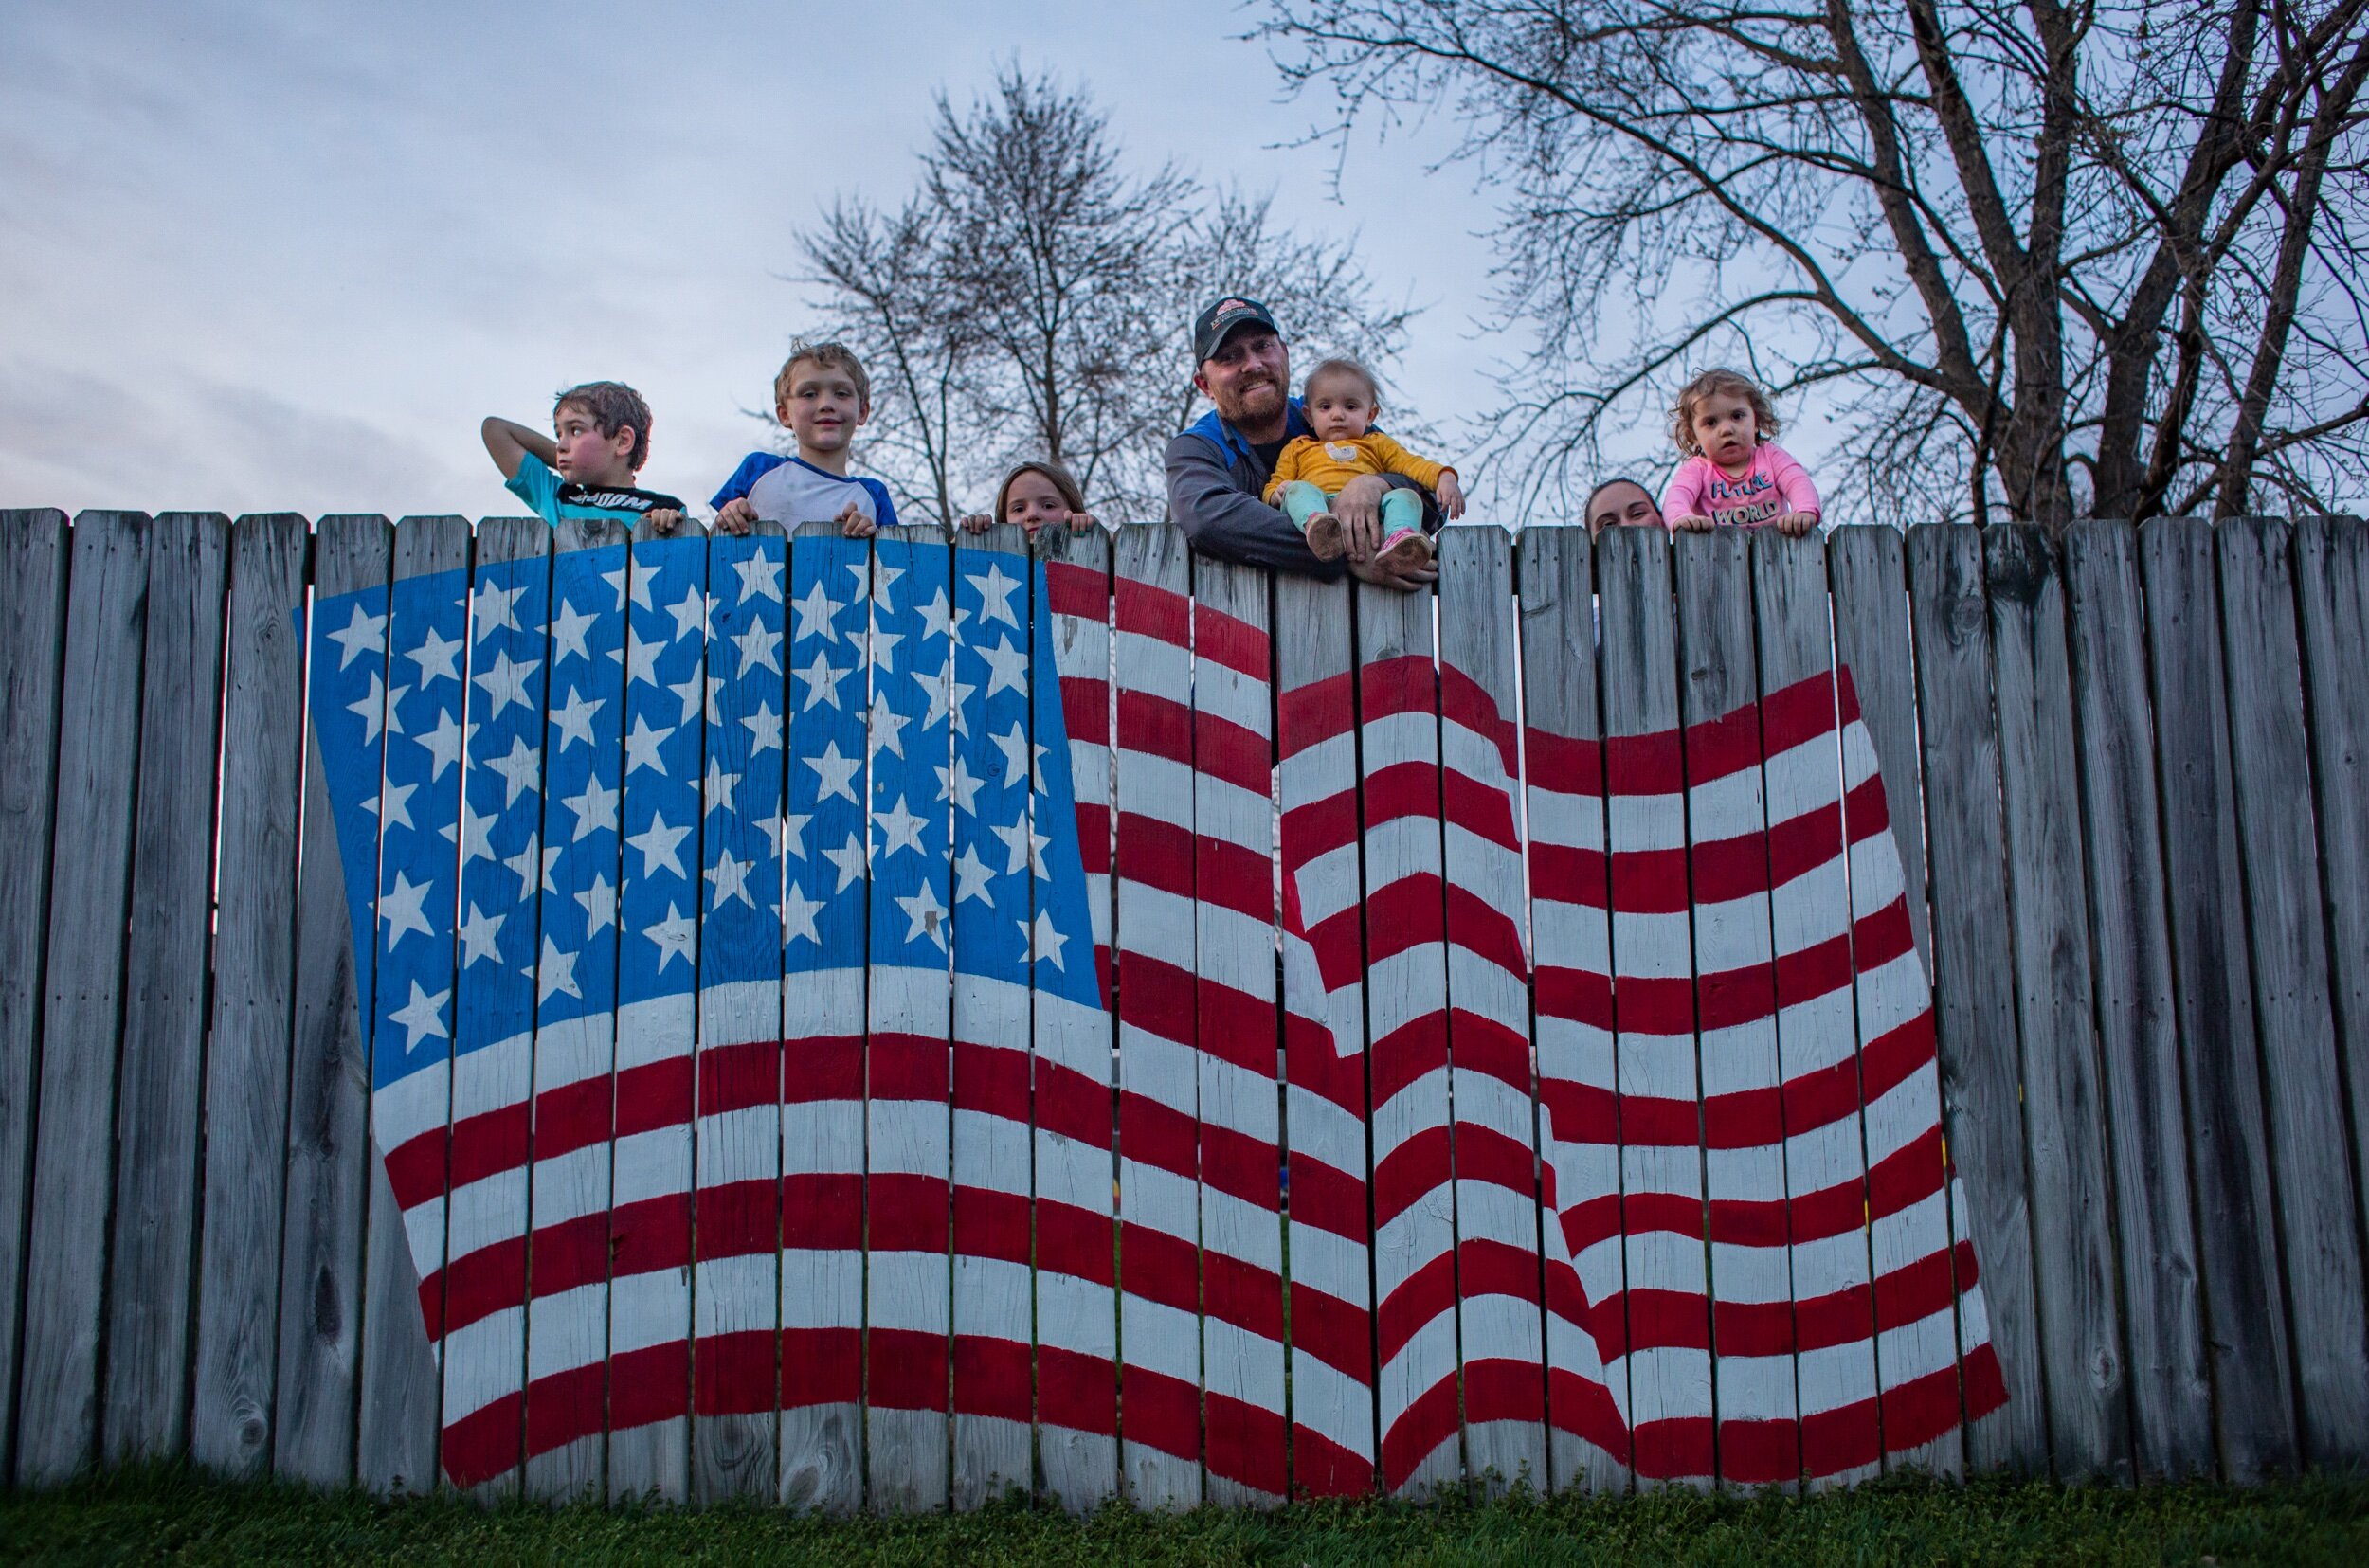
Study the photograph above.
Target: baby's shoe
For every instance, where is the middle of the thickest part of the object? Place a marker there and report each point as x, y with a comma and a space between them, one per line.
1407, 546
1324, 536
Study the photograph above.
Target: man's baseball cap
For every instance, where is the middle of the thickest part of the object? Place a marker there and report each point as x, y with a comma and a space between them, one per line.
1222, 317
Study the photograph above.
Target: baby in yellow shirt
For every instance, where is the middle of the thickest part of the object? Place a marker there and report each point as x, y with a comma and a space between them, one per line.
1340, 401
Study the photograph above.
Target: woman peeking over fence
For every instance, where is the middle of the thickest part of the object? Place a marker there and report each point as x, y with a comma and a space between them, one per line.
1034, 494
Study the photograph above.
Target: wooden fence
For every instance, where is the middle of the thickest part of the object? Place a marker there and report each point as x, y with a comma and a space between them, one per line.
2124, 781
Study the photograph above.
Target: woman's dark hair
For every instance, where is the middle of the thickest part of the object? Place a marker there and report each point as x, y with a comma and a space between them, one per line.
1054, 475
1587, 510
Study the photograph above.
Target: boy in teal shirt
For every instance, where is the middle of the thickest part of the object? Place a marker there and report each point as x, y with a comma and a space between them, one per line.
600, 439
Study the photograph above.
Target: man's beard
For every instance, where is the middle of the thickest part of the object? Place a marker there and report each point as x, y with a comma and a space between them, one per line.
1258, 402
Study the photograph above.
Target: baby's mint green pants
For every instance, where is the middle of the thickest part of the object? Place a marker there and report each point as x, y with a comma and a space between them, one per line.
1400, 508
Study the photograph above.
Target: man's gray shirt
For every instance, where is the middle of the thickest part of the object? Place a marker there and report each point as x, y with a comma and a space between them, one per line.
1215, 480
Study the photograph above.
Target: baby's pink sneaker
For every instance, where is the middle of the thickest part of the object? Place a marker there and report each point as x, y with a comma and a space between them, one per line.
1407, 547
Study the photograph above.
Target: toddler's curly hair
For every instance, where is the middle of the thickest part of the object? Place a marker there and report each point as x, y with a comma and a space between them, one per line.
1710, 384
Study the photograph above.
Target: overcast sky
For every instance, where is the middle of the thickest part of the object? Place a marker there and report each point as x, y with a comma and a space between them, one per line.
284, 257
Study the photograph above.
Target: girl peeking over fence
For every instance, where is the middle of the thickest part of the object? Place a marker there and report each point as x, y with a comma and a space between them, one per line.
1034, 494
1734, 474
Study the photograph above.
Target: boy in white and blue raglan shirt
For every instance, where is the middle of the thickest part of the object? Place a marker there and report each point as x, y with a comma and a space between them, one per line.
822, 396
600, 439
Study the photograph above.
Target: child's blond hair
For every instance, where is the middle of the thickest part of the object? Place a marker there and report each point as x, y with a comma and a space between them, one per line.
1710, 384
831, 355
1343, 368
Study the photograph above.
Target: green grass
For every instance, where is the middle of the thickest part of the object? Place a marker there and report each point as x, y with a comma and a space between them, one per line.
171, 1516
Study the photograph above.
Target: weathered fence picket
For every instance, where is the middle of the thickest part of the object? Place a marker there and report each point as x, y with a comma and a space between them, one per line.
991, 610
1754, 1377
2332, 604
1571, 1002
1658, 1088
822, 1013
735, 1291
2073, 1252
880, 1024
2285, 919
410, 1025
2237, 1231
248, 1052
1159, 1206
1828, 1291
1867, 568
1494, 1118
330, 1158
908, 1105
33, 554
1326, 1061
153, 1250
504, 865
1072, 1082
57, 1414
574, 1127
658, 897
2130, 953
1238, 1028
1406, 1012
1973, 975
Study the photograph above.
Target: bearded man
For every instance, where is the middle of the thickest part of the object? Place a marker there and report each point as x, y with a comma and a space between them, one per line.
1217, 468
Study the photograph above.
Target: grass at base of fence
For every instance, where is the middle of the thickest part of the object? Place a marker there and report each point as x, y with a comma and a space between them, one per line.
161, 1515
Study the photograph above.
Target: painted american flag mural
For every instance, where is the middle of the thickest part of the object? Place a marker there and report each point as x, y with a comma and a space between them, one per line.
859, 1023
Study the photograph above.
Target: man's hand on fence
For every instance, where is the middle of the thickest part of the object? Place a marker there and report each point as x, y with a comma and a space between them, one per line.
737, 516
664, 520
1359, 508
1403, 575
854, 523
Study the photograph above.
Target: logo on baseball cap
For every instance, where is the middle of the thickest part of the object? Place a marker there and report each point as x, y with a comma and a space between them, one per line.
1210, 327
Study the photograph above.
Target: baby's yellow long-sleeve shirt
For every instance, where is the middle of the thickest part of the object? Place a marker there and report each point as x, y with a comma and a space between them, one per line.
1329, 466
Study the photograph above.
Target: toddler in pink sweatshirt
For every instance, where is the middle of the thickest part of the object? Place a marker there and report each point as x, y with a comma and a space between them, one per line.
1735, 475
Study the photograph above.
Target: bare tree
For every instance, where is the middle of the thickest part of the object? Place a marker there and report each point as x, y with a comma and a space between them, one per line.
1049, 242
1033, 297
2064, 257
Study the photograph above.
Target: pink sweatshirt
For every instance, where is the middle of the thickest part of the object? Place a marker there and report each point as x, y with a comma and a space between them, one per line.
1773, 485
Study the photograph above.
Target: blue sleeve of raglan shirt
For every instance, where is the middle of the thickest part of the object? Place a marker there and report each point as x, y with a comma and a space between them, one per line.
753, 467
884, 510
536, 485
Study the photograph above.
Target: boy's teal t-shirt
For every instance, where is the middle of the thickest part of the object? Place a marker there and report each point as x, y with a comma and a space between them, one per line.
553, 498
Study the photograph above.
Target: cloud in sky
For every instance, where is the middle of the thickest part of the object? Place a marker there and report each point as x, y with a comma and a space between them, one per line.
270, 257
